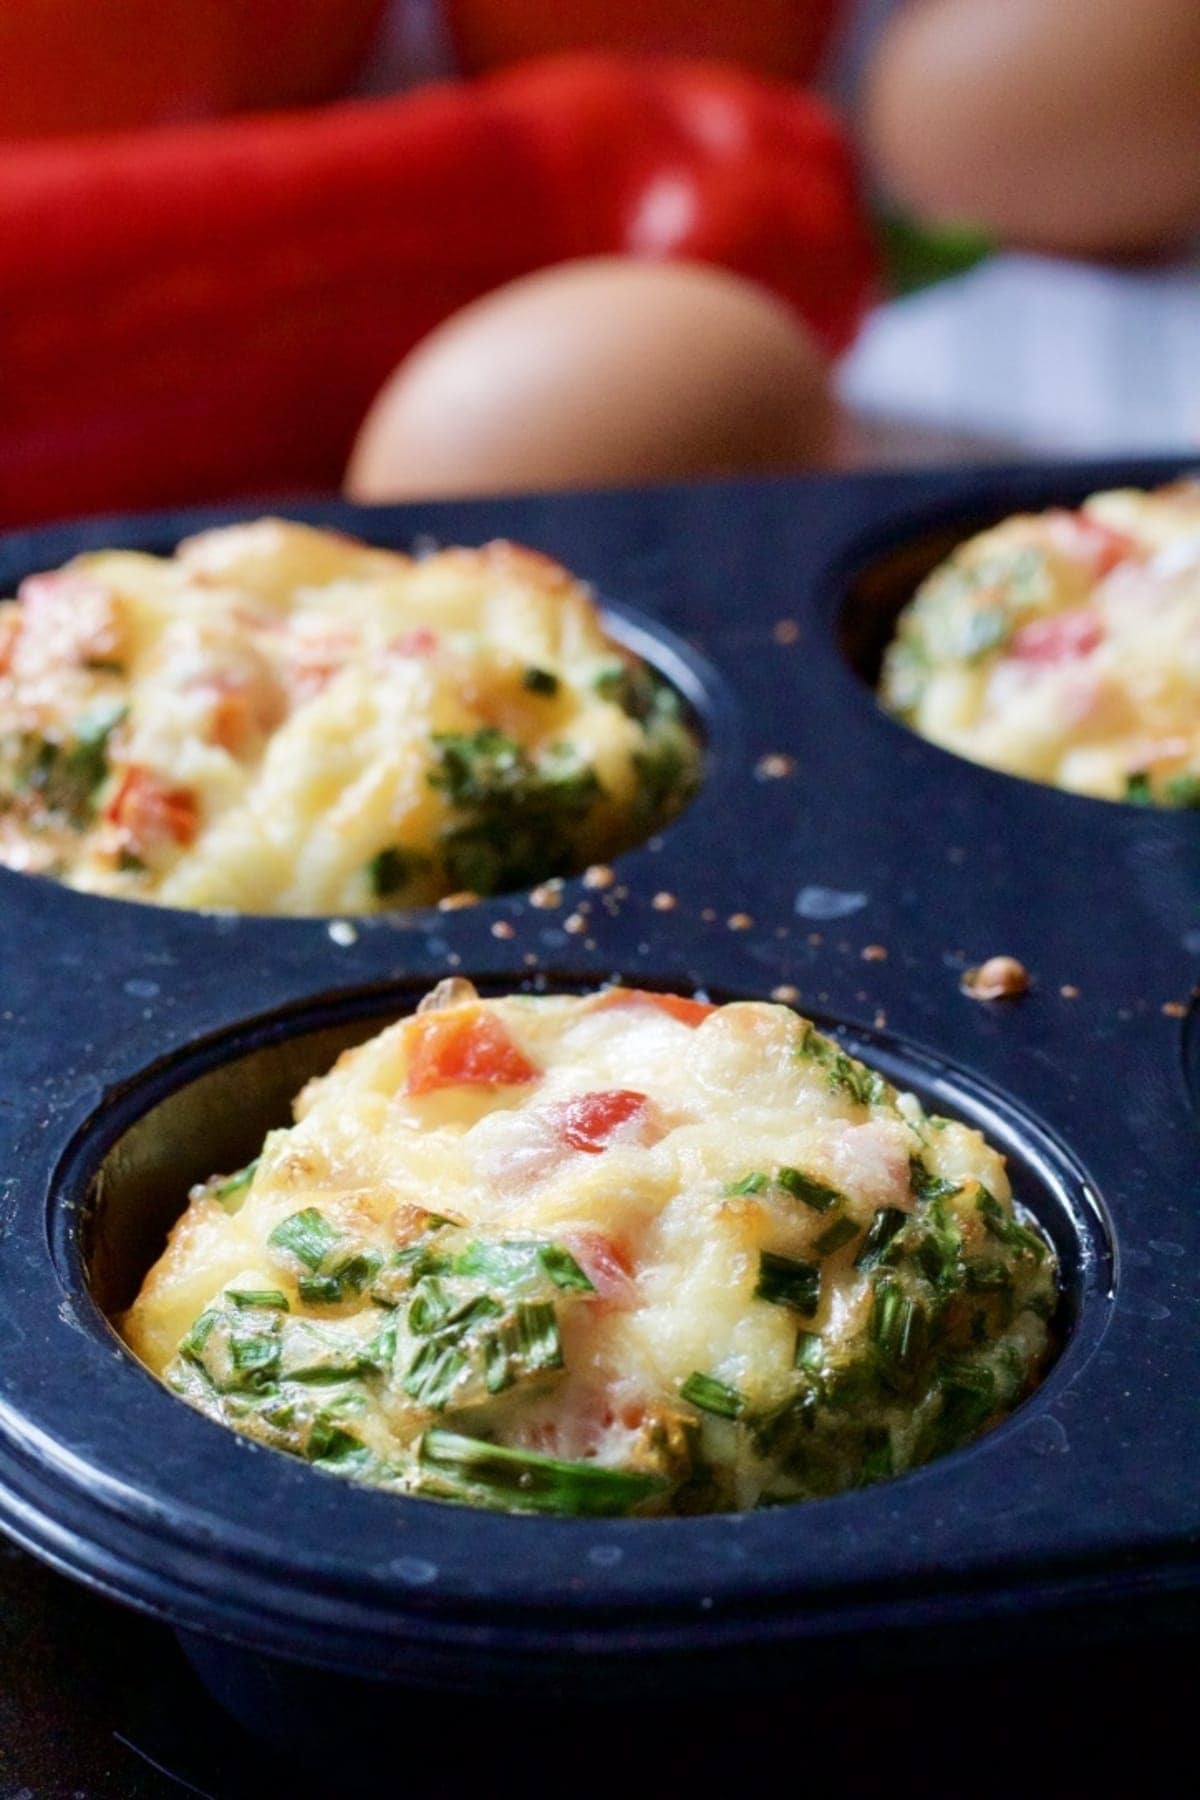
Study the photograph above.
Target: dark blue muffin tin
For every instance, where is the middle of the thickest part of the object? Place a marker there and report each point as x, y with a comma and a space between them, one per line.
830, 853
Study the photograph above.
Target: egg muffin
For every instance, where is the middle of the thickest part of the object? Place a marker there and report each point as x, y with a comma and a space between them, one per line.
616, 1253
278, 719
1065, 647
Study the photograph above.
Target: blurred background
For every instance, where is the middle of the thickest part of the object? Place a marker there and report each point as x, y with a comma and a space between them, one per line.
417, 247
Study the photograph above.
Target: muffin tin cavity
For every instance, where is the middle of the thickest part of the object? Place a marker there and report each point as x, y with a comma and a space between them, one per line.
210, 1110
283, 721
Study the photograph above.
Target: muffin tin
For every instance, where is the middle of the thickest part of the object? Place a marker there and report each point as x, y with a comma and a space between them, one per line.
830, 858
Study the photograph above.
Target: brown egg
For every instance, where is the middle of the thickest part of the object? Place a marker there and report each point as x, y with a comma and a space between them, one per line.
1069, 125
594, 373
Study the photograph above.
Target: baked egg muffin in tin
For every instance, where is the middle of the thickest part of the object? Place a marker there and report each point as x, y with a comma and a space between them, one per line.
623, 1252
1065, 647
280, 719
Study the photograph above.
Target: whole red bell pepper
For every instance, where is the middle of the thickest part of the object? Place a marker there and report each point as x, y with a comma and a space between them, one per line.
206, 312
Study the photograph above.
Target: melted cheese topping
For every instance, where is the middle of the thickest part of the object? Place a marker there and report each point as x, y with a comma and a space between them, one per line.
1065, 647
700, 1253
280, 719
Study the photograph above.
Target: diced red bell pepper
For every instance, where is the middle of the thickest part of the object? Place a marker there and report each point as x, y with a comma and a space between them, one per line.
1086, 540
590, 1121
149, 813
207, 311
464, 1047
1060, 638
676, 1006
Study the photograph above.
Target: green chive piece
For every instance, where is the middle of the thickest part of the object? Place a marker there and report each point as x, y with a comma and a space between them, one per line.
540, 681
434, 1373
537, 1336
431, 1306
806, 1188
192, 1344
784, 1282
968, 1398
254, 1355
504, 1264
235, 1184
809, 1351
308, 1235
928, 1186
878, 1463
1009, 1230
563, 1270
358, 1270
484, 1473
842, 1231
265, 1297
391, 869
1138, 791
319, 1290
898, 1325
330, 1442
887, 1222
1184, 790
713, 1396
754, 1183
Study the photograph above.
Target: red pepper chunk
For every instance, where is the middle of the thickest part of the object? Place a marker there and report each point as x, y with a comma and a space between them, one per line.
138, 370
590, 1121
676, 1006
463, 1048
149, 813
1089, 541
1060, 638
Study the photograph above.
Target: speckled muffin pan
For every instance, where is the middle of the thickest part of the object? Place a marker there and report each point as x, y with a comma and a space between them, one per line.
831, 859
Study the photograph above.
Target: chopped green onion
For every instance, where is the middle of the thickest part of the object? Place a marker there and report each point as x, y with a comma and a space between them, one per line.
358, 1270
434, 1373
800, 1186
809, 1351
234, 1184
431, 1306
1138, 791
928, 1186
331, 1443
1009, 1230
540, 681
264, 1297
192, 1344
878, 1463
887, 1222
254, 1355
516, 1260
563, 1270
1184, 790
784, 1282
968, 1398
713, 1396
983, 1277
842, 1231
320, 1290
754, 1183
535, 1336
308, 1235
530, 1482
391, 869
898, 1326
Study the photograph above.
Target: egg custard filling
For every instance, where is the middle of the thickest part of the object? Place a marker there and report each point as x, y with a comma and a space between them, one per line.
278, 719
1065, 647
617, 1253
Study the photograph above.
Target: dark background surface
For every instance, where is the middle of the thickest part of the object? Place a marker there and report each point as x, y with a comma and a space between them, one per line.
97, 1704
